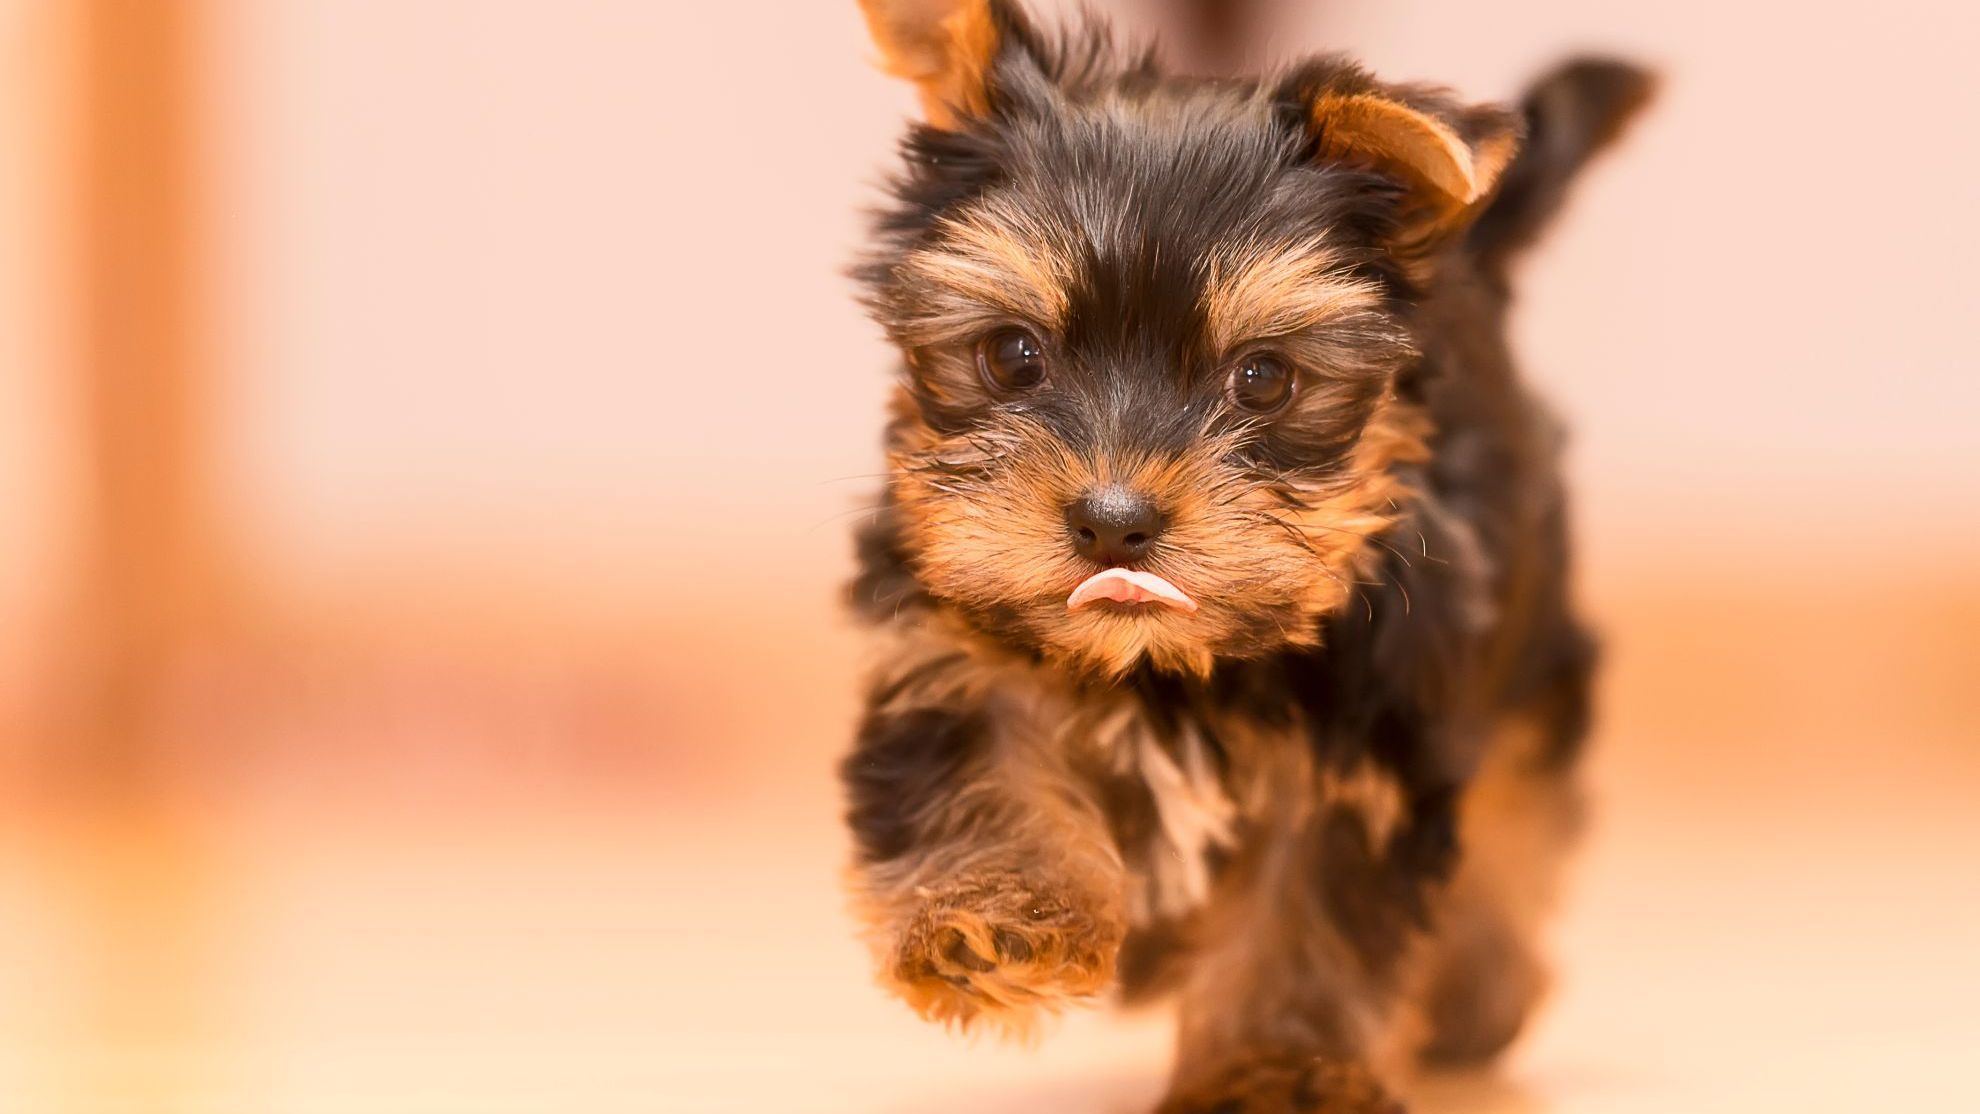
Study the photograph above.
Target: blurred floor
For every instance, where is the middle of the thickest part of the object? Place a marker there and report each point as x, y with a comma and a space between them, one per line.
1775, 909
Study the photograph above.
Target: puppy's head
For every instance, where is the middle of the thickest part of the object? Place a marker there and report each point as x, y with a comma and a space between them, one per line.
1152, 330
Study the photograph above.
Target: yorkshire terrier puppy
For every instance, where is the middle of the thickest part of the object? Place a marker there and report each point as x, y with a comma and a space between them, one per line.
1222, 563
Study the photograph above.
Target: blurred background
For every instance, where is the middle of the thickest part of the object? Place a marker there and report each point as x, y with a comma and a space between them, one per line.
429, 433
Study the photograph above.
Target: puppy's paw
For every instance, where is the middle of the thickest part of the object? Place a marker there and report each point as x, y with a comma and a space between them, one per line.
1285, 1085
1004, 948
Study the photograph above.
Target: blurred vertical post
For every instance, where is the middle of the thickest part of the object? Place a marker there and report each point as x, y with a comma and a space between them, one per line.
137, 885
148, 585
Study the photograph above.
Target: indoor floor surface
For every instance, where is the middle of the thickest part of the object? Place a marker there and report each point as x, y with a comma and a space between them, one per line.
1775, 910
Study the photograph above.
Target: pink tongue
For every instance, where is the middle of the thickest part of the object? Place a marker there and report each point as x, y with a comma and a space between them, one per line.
1128, 586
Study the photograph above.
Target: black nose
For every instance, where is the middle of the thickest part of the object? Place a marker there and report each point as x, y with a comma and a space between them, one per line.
1113, 525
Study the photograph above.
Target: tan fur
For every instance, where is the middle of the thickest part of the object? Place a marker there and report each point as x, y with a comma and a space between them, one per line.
1232, 546
1288, 1081
1489, 159
1341, 519
944, 46
1451, 179
1279, 289
1372, 794
1516, 823
1196, 819
1391, 134
1021, 916
993, 947
1271, 969
1516, 820
990, 259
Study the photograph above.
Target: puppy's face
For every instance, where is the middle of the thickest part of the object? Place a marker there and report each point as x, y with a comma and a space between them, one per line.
1151, 346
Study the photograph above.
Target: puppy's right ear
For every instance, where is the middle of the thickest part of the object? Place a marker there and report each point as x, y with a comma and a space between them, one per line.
946, 47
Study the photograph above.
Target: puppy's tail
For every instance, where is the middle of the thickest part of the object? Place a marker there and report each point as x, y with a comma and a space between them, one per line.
1576, 110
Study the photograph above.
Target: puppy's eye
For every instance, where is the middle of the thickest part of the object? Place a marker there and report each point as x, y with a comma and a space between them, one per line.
1261, 383
1011, 360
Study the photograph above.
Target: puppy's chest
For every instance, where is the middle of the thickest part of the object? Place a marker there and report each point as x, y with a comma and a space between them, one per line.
1182, 790
1187, 791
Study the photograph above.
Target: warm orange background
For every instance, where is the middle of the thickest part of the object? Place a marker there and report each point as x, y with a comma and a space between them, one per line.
429, 431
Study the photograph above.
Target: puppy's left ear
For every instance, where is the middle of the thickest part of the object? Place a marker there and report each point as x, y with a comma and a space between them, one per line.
948, 48
1446, 155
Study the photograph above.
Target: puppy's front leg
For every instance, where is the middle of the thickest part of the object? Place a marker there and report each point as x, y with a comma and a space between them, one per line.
1290, 1000
990, 885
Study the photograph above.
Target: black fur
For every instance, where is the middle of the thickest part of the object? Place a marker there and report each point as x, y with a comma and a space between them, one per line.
901, 764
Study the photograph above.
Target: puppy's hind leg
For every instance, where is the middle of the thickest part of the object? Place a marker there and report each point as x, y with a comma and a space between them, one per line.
1485, 974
